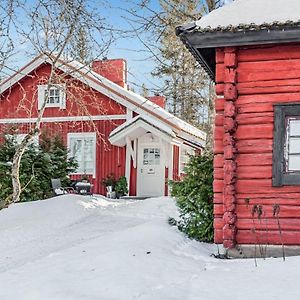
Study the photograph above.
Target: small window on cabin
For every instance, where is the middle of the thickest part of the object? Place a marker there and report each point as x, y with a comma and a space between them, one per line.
292, 154
286, 145
55, 96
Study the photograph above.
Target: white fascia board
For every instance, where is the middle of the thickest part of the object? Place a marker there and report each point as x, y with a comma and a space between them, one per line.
63, 119
118, 136
20, 74
145, 119
201, 143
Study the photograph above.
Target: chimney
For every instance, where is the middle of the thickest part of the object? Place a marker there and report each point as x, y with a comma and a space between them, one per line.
114, 70
159, 100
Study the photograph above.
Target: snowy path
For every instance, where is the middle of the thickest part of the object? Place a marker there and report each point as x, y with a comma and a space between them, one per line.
79, 248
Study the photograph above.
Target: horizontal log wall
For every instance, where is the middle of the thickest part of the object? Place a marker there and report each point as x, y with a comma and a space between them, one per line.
265, 76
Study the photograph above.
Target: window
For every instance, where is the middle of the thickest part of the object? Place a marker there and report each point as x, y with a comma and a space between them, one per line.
185, 153
151, 156
82, 146
55, 96
286, 145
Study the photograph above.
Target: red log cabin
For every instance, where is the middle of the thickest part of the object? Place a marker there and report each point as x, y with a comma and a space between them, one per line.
107, 128
251, 49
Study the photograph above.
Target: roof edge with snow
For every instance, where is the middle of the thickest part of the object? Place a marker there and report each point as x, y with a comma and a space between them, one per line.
230, 26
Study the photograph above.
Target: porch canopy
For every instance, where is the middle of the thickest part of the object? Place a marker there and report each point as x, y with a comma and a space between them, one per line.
138, 126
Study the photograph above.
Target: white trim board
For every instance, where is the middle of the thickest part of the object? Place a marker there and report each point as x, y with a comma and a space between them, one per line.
63, 119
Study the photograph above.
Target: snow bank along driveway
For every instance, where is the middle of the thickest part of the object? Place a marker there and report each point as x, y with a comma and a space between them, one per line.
74, 247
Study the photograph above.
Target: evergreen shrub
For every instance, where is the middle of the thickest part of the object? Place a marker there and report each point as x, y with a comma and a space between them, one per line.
121, 187
194, 198
39, 164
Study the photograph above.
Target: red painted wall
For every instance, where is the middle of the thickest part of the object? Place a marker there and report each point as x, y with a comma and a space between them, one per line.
176, 175
109, 159
21, 102
265, 75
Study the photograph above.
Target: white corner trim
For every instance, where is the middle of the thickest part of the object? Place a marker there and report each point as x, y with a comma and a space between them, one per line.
21, 73
62, 119
129, 114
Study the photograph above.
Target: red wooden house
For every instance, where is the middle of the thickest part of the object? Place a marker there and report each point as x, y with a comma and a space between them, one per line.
109, 129
251, 49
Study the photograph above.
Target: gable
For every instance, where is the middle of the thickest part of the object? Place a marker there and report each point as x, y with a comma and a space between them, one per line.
125, 98
21, 99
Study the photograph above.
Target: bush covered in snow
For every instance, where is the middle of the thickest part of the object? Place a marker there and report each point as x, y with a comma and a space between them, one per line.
39, 164
194, 197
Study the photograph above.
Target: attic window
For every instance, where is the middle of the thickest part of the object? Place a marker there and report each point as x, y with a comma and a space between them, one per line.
54, 96
286, 145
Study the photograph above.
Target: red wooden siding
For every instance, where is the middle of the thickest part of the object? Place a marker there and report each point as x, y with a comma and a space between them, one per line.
176, 175
109, 159
21, 100
265, 76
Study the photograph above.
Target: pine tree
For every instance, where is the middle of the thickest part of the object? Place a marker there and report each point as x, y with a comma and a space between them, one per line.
188, 89
186, 85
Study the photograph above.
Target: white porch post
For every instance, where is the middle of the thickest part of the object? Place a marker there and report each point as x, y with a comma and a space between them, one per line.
127, 164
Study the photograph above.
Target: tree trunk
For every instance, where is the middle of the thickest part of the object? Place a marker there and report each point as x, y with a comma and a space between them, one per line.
15, 174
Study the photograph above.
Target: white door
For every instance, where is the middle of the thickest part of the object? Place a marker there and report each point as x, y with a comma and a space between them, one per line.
150, 171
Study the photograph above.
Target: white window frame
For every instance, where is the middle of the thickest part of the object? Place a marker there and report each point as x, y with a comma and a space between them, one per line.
288, 153
83, 135
42, 89
190, 151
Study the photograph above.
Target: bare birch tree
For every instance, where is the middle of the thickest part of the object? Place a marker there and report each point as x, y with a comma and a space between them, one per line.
57, 29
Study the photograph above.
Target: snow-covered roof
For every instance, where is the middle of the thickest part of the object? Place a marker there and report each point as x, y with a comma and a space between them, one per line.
241, 22
253, 13
138, 126
123, 96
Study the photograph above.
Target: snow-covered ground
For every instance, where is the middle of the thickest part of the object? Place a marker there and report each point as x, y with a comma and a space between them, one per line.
74, 247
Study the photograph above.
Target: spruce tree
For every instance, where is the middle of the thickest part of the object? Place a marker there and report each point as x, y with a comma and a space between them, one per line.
39, 164
194, 197
185, 84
